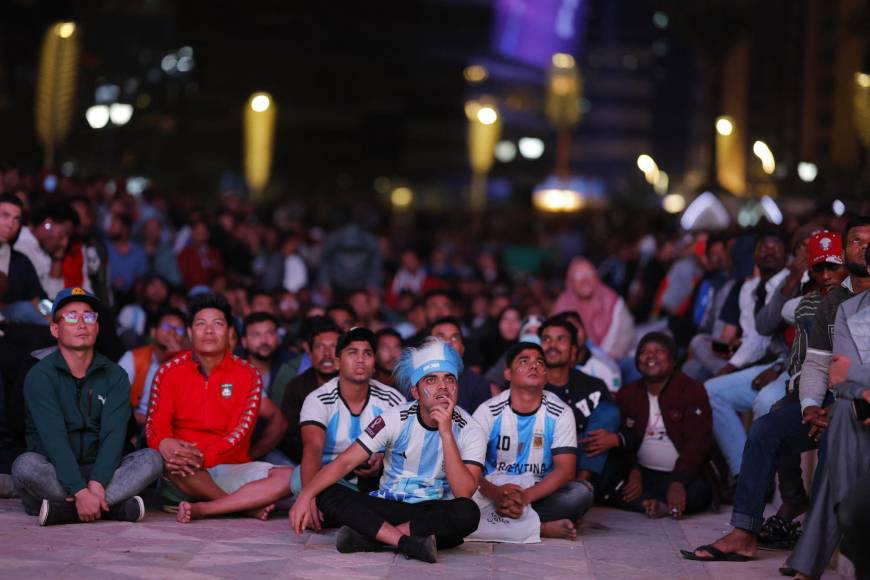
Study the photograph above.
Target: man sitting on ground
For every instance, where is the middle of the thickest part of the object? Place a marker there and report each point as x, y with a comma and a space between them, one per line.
260, 341
203, 408
434, 454
320, 342
667, 433
333, 416
78, 405
596, 417
530, 429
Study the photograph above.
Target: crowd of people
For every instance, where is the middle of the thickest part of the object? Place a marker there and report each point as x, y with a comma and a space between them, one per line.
415, 386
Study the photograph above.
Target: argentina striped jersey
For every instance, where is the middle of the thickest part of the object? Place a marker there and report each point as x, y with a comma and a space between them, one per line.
413, 455
326, 408
519, 443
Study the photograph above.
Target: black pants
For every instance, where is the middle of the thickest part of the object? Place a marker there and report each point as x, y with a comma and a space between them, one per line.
450, 520
699, 492
854, 515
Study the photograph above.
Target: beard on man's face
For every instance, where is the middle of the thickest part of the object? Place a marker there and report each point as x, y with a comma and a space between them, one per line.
858, 269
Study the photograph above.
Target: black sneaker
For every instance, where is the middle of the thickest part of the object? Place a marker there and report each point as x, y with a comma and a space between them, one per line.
54, 513
132, 510
348, 540
419, 547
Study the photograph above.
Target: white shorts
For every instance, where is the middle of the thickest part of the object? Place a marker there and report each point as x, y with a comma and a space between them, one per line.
231, 476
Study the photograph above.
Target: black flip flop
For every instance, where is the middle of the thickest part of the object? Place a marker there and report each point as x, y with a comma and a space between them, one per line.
716, 555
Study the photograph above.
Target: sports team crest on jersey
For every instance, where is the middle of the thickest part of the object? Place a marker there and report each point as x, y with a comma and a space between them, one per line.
538, 440
226, 390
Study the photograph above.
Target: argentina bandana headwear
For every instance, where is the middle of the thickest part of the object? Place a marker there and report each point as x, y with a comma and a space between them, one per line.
434, 356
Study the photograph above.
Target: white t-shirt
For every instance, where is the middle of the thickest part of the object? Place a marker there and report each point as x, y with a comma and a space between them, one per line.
601, 366
657, 451
413, 455
519, 443
325, 408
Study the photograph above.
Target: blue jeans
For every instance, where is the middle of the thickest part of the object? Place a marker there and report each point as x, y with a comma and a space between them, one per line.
772, 439
35, 478
570, 501
731, 394
605, 416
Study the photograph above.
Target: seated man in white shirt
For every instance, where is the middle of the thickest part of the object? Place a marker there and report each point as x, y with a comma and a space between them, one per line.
334, 415
433, 457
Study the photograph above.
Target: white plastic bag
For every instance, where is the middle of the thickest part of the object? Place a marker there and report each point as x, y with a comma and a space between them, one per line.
496, 528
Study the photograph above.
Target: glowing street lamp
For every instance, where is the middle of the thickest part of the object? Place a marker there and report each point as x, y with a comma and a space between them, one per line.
763, 152
484, 128
56, 86
259, 141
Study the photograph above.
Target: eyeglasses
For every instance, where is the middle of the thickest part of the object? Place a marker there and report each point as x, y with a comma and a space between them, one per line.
179, 330
524, 363
89, 317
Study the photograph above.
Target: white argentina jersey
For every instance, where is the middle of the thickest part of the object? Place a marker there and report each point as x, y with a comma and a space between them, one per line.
413, 456
520, 443
325, 408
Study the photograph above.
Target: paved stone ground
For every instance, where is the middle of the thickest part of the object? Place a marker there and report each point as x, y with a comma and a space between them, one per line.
612, 544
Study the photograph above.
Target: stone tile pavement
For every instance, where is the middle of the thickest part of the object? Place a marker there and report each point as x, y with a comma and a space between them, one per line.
612, 545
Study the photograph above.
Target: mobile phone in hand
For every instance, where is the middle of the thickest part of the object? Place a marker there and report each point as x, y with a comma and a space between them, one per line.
862, 409
721, 347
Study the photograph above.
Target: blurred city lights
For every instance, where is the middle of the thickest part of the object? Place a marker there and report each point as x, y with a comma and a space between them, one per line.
649, 167
661, 20
645, 163
558, 200
185, 63
674, 203
771, 210
662, 183
475, 73
724, 125
505, 151
763, 152
169, 63
487, 115
97, 116
863, 80
66, 29
382, 184
807, 171
260, 103
563, 60
401, 197
471, 109
531, 147
838, 207
107, 93
120, 113
136, 185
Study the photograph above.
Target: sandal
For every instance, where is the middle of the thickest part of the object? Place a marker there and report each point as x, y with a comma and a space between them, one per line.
716, 555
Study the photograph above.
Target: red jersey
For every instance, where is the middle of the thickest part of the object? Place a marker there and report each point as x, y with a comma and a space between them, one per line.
217, 412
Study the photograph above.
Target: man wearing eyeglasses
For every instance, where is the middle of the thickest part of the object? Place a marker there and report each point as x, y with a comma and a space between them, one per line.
78, 405
141, 364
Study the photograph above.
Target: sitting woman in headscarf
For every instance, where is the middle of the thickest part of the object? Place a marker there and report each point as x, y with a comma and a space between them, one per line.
605, 315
